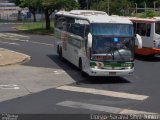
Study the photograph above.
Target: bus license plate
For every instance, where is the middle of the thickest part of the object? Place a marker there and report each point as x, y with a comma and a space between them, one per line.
112, 73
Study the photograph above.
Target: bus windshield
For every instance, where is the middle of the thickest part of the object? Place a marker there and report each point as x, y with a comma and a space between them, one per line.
157, 28
113, 48
112, 29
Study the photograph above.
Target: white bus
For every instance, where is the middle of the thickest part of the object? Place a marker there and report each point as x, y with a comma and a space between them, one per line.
149, 30
100, 45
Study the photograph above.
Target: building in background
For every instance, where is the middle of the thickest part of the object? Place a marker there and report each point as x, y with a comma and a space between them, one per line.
9, 11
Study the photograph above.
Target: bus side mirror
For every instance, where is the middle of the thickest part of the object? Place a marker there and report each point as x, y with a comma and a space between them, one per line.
139, 39
89, 43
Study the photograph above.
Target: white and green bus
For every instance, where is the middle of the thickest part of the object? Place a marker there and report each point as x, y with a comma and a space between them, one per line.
100, 45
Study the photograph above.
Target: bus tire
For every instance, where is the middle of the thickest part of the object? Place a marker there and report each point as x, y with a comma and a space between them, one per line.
60, 53
57, 49
83, 74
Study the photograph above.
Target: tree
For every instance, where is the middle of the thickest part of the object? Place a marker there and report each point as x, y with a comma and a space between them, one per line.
49, 6
118, 7
85, 4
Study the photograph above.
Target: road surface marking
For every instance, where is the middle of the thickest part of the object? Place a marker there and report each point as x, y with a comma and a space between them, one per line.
9, 43
9, 87
12, 36
16, 35
17, 39
9, 38
104, 92
41, 43
101, 108
13, 43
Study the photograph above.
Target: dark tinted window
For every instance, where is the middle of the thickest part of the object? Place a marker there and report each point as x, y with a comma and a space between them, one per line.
142, 29
157, 27
75, 26
60, 21
78, 29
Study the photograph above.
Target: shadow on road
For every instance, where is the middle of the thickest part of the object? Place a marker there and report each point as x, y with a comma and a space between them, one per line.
74, 72
104, 80
151, 58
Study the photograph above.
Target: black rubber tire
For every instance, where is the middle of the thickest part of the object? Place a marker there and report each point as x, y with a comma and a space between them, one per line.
58, 49
83, 74
60, 53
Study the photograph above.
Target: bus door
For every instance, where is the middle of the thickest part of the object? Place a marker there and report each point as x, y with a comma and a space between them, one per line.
146, 31
157, 35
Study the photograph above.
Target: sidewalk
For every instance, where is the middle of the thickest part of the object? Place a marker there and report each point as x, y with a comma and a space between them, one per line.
8, 57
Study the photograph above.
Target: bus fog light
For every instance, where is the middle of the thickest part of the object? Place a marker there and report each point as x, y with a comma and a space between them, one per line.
129, 67
130, 73
95, 67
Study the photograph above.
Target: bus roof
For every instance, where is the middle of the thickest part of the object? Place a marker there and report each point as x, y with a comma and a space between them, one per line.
146, 20
95, 16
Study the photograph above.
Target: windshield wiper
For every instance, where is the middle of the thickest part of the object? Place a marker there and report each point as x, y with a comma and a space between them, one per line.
109, 51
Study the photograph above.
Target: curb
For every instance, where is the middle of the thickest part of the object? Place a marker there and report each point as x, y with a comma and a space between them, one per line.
26, 58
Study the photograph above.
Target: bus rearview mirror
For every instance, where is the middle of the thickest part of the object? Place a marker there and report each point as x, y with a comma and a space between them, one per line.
139, 39
89, 45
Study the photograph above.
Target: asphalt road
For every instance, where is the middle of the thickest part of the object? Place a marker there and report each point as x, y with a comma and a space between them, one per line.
48, 85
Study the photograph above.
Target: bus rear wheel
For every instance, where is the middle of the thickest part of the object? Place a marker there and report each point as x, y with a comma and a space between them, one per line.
83, 74
60, 53
58, 49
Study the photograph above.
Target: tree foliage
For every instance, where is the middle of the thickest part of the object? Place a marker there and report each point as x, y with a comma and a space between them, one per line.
48, 6
119, 7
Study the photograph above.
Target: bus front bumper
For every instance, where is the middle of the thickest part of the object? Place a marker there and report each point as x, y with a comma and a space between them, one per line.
104, 72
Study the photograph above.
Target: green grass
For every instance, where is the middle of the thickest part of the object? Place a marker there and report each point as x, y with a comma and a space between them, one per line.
36, 27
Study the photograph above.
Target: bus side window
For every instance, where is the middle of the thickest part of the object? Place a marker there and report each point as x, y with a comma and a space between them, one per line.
68, 27
77, 29
135, 27
143, 29
148, 30
70, 21
60, 22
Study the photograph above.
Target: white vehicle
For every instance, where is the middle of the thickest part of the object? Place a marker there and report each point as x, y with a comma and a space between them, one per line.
100, 45
149, 30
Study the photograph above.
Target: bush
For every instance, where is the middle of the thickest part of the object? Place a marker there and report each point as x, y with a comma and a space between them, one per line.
150, 13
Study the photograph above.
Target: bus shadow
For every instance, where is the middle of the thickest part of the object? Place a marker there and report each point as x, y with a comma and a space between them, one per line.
104, 80
75, 74
152, 58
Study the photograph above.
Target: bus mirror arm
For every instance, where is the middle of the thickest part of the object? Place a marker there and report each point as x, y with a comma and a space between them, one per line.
90, 50
89, 37
139, 39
